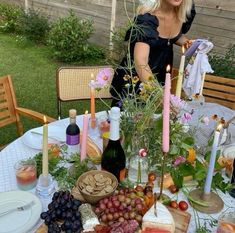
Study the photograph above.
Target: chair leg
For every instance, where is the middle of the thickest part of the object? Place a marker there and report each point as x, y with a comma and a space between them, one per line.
19, 128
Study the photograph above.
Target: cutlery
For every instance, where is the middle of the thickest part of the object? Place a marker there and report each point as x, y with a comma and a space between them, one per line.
155, 204
19, 208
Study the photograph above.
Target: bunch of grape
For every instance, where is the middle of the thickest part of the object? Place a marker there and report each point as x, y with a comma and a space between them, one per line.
63, 214
125, 205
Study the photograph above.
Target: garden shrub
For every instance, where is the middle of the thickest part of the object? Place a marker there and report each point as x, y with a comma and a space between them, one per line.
224, 65
34, 26
9, 17
68, 38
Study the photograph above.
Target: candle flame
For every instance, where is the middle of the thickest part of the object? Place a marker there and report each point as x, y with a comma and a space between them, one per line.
86, 112
183, 49
45, 119
168, 68
219, 127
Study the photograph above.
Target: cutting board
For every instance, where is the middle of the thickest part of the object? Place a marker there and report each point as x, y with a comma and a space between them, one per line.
181, 218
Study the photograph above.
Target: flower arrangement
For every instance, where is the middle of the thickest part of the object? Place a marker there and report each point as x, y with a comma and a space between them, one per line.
141, 125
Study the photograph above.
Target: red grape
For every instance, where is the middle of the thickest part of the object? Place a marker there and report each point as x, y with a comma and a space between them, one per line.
97, 210
104, 218
109, 217
116, 203
121, 198
128, 200
126, 215
116, 215
121, 219
102, 206
109, 204
138, 218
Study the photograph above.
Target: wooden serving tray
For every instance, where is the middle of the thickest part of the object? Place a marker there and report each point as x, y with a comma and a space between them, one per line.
181, 218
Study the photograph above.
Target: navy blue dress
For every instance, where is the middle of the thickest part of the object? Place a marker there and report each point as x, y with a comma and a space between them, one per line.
161, 50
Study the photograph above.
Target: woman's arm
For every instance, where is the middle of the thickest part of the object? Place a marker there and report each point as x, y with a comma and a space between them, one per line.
141, 57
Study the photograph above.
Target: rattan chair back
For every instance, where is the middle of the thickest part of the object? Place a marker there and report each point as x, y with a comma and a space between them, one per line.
73, 84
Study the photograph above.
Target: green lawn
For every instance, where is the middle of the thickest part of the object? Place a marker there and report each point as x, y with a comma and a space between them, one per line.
33, 75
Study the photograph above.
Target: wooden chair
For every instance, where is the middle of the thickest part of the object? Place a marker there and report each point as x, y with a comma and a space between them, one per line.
10, 112
72, 83
219, 90
216, 89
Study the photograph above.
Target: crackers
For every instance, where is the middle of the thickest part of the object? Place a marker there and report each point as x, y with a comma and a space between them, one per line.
97, 184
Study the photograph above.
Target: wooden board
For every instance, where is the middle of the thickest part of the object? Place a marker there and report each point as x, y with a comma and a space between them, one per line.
181, 218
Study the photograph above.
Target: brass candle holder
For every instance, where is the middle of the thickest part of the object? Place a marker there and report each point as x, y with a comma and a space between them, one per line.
208, 203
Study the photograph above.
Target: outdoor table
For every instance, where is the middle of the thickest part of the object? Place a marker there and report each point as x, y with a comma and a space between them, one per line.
17, 150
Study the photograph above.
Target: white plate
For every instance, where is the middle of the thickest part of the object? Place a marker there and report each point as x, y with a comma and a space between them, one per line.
33, 137
19, 221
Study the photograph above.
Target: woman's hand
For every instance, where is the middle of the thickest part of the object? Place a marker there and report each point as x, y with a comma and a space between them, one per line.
188, 43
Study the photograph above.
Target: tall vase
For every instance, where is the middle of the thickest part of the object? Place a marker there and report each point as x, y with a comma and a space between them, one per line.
138, 165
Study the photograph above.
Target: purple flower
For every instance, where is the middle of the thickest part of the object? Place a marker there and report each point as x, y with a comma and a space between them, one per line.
179, 160
104, 76
186, 117
177, 103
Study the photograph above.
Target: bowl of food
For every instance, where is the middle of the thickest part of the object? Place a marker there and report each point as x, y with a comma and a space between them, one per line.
95, 185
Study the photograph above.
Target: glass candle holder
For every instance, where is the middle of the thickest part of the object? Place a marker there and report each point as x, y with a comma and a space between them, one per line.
26, 174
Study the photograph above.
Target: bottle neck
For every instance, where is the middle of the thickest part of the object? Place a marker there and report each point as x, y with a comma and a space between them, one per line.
72, 120
114, 129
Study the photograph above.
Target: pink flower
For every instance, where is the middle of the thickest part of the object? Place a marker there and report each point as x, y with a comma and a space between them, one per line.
179, 160
177, 103
104, 76
186, 117
205, 120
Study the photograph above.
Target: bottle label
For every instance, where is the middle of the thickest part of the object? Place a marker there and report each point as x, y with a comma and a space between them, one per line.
72, 139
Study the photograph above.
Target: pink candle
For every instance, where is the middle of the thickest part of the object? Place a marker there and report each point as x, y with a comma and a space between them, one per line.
166, 113
92, 95
84, 136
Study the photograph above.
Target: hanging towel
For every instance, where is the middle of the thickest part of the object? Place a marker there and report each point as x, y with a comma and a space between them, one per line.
197, 65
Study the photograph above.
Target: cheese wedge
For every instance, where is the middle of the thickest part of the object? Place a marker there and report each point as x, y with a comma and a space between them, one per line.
164, 221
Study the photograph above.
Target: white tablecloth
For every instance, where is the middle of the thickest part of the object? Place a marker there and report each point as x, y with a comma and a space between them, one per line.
17, 150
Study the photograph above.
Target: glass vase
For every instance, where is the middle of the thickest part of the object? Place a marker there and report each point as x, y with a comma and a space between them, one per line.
138, 164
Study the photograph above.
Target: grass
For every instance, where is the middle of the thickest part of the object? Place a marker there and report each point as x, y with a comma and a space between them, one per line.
33, 74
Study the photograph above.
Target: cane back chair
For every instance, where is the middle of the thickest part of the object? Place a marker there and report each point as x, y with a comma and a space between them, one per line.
72, 83
10, 112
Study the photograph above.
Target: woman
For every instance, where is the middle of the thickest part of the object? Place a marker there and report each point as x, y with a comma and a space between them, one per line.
159, 24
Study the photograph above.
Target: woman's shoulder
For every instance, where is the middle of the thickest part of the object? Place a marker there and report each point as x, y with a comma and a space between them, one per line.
147, 19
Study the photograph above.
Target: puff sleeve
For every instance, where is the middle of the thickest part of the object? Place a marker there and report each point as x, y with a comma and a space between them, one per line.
186, 26
144, 29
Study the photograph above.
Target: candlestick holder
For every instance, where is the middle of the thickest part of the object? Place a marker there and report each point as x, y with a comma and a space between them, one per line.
45, 189
45, 186
208, 203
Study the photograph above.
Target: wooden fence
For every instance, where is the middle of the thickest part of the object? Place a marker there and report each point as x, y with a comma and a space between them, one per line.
215, 19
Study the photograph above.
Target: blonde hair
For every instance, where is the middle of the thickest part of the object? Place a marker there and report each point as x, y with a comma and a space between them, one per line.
149, 6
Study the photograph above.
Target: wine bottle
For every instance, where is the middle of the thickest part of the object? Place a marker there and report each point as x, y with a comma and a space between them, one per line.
113, 157
232, 191
72, 133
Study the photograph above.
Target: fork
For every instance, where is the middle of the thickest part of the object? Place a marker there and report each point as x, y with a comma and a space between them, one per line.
19, 208
155, 204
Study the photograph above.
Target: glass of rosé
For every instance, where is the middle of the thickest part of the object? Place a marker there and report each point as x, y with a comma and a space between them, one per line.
26, 174
226, 223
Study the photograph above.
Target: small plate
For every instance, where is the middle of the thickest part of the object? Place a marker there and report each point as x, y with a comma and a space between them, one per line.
19, 221
33, 137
